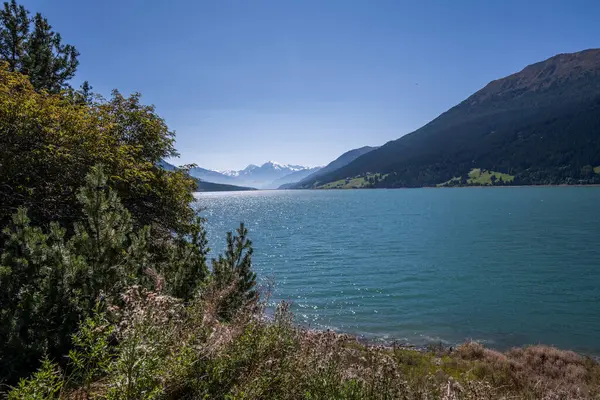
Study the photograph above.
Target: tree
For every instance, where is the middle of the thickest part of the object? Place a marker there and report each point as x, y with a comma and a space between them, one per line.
85, 94
233, 273
49, 64
50, 143
31, 47
187, 262
14, 33
51, 280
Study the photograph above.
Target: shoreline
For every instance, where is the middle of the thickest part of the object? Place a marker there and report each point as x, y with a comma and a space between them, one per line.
403, 188
433, 187
435, 347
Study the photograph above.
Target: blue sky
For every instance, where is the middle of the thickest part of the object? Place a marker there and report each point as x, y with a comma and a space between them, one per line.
303, 81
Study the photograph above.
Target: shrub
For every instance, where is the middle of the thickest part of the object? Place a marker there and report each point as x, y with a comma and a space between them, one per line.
51, 281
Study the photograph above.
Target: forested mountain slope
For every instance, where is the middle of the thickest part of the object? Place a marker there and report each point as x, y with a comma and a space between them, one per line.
336, 164
540, 126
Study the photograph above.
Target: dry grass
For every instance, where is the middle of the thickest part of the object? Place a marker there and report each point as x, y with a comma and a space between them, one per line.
186, 352
535, 371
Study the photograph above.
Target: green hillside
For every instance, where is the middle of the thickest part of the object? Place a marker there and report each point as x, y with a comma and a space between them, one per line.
479, 177
358, 182
312, 180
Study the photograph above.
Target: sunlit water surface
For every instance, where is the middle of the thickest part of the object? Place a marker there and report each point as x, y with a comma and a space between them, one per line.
505, 266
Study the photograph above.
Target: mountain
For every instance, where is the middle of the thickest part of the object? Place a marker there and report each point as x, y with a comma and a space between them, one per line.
538, 126
264, 176
165, 165
336, 164
204, 186
212, 176
294, 177
244, 172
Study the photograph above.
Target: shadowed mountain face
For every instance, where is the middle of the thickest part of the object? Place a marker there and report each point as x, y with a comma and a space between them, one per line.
540, 125
344, 159
294, 177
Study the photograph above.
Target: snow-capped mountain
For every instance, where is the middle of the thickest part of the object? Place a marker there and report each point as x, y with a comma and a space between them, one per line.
266, 176
244, 171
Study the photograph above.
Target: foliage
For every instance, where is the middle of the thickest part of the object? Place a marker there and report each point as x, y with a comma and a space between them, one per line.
50, 280
358, 182
187, 263
31, 47
234, 267
480, 177
49, 143
45, 384
167, 350
92, 354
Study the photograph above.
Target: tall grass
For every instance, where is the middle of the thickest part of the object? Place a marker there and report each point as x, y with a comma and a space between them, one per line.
153, 346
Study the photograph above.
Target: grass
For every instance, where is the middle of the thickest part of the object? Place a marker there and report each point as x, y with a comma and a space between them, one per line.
480, 177
167, 350
358, 182
451, 182
484, 177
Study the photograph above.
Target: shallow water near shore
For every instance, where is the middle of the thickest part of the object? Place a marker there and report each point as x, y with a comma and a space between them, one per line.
504, 266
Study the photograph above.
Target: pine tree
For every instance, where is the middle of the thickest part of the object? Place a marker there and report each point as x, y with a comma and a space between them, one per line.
234, 268
35, 51
49, 282
48, 62
14, 33
188, 263
37, 315
85, 94
103, 239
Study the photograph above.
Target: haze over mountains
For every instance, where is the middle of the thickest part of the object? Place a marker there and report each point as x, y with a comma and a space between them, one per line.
205, 186
269, 175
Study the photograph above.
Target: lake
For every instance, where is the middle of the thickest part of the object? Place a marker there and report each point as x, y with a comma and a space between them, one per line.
504, 266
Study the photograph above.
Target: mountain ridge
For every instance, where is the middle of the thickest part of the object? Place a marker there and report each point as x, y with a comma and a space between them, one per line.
540, 125
339, 162
268, 175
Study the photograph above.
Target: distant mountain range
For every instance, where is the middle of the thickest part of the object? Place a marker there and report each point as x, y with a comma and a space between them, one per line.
269, 175
204, 186
538, 126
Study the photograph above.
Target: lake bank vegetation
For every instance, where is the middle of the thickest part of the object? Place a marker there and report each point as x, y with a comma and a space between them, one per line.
106, 290
153, 345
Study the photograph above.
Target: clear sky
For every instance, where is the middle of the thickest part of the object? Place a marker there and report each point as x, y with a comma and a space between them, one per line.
303, 81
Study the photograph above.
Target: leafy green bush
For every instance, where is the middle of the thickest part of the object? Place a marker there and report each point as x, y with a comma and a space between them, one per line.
50, 143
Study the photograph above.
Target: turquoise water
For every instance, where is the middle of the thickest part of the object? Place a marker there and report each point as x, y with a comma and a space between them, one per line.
505, 266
